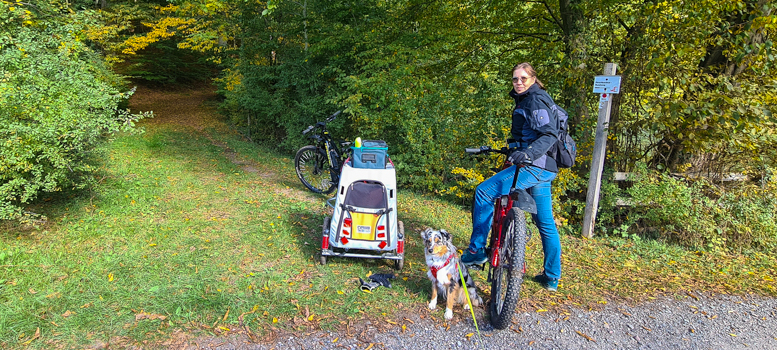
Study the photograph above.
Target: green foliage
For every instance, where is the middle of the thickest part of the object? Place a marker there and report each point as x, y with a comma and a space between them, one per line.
699, 85
287, 68
698, 88
163, 63
57, 102
696, 213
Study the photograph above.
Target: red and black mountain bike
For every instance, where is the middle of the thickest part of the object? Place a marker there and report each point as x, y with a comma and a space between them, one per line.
507, 245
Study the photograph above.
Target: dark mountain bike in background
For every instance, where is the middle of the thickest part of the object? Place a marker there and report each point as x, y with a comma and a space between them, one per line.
318, 166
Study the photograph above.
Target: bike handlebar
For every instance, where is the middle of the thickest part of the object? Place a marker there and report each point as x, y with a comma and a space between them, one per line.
321, 124
487, 149
333, 116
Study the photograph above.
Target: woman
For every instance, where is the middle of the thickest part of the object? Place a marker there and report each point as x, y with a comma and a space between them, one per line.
535, 126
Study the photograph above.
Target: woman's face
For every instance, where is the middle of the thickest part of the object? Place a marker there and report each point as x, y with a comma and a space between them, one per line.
522, 80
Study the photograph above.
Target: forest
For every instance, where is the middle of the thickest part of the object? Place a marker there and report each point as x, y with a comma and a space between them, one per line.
697, 101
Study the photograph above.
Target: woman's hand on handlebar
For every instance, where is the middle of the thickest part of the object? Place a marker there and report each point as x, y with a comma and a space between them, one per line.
519, 157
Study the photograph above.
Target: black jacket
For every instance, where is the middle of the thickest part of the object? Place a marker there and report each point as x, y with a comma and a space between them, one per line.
535, 125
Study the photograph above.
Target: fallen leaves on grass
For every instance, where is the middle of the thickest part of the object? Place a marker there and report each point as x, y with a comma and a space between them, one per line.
145, 316
34, 336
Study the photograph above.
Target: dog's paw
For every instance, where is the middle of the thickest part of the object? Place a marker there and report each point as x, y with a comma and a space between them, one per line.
448, 314
433, 304
466, 306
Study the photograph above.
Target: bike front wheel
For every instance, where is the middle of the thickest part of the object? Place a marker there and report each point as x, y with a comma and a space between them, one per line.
507, 277
313, 169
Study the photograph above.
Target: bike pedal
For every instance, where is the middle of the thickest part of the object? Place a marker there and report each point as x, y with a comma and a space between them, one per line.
480, 267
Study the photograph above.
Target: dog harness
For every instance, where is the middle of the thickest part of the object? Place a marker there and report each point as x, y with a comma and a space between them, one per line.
434, 269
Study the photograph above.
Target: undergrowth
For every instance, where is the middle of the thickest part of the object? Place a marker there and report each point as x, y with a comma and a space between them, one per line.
695, 213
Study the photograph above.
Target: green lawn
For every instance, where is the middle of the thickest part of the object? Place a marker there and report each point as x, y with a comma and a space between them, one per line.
197, 231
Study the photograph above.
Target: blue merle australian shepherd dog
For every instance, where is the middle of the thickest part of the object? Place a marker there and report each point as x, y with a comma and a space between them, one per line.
443, 262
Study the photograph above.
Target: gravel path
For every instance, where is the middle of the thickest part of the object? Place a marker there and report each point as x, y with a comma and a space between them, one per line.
697, 322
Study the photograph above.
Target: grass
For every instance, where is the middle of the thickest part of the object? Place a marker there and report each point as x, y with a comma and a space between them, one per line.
201, 231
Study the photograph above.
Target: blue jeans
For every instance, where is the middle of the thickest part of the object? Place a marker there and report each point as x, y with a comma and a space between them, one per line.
537, 182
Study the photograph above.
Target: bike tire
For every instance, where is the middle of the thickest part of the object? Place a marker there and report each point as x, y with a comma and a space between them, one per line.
313, 169
507, 278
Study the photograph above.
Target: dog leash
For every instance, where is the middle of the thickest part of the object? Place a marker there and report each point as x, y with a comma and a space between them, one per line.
469, 302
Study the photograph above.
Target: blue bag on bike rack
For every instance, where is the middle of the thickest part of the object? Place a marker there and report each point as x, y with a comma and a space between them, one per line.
373, 154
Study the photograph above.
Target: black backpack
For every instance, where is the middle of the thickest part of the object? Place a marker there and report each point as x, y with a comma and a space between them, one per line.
565, 150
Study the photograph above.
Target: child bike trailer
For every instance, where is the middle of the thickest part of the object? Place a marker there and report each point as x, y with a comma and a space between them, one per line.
364, 222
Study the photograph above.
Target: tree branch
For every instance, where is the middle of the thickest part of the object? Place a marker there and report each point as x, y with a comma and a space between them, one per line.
622, 23
556, 20
508, 33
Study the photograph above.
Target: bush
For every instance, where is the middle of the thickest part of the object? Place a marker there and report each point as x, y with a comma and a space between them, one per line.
57, 101
699, 214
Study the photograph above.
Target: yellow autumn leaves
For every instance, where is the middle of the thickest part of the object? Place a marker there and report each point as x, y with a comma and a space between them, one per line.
165, 28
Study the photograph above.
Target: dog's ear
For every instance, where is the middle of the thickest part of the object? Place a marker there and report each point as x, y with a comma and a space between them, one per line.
425, 233
445, 234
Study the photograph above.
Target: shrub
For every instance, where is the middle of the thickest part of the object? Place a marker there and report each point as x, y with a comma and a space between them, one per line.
699, 214
57, 101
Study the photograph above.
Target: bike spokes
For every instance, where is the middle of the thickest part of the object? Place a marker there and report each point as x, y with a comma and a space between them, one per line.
313, 169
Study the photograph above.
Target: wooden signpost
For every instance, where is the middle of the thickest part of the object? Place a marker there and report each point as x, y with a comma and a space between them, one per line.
605, 85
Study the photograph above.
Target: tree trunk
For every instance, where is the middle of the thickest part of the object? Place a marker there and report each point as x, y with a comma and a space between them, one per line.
716, 60
305, 23
574, 94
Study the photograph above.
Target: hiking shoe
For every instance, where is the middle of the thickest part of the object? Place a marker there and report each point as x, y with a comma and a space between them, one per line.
550, 284
474, 258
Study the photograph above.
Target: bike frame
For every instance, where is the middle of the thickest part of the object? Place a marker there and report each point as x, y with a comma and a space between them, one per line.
334, 153
325, 141
501, 206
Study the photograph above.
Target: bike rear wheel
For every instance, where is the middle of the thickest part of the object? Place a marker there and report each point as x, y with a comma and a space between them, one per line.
313, 169
506, 279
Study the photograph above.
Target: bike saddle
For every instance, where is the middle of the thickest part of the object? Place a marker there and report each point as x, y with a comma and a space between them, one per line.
523, 200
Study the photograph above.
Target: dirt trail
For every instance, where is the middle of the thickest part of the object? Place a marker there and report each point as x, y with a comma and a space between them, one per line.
184, 107
189, 110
